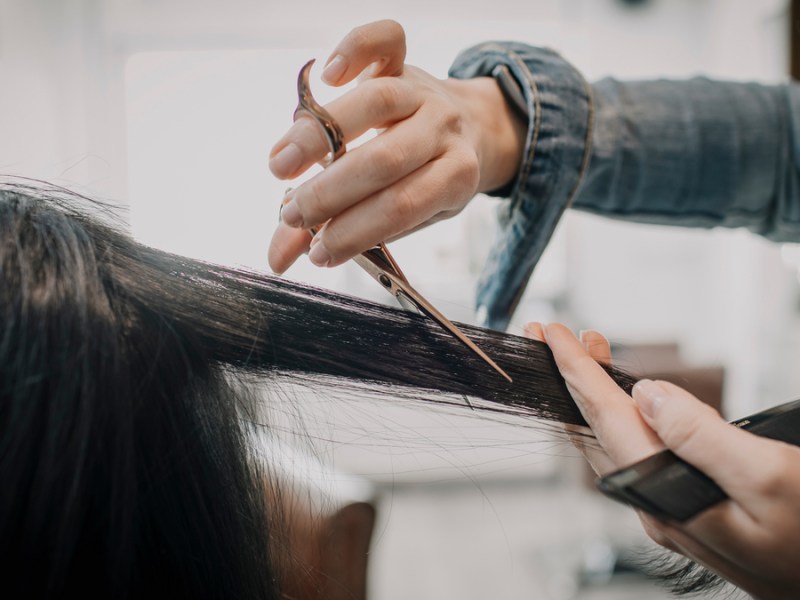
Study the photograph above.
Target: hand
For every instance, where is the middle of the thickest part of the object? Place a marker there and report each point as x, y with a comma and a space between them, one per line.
751, 539
441, 142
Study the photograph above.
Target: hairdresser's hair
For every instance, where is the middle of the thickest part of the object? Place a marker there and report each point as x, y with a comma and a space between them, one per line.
124, 455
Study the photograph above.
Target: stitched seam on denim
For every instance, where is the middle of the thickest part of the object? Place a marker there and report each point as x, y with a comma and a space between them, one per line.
718, 218
518, 192
522, 179
537, 121
590, 114
588, 140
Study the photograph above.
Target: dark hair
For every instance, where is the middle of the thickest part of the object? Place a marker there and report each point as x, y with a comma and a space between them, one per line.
124, 443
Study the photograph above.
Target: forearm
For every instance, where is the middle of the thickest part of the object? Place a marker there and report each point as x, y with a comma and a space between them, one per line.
553, 163
696, 153
693, 153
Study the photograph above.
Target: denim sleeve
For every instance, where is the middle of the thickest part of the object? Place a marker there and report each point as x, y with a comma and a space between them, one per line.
698, 153
553, 164
695, 153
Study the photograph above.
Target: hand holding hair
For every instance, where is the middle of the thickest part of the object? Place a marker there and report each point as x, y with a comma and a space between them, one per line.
751, 539
440, 143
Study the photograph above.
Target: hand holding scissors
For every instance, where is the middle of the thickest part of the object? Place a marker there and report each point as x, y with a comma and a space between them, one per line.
377, 261
441, 142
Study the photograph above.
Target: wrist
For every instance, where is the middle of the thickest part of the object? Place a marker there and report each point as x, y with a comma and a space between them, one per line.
500, 131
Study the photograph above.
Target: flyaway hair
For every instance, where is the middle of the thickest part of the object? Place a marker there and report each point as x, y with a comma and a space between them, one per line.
124, 457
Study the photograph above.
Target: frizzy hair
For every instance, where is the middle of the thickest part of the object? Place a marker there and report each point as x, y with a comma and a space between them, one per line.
124, 460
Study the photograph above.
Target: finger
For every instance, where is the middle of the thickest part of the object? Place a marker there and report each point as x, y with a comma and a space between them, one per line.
585, 441
707, 556
361, 173
653, 528
534, 331
597, 346
757, 473
610, 412
743, 464
382, 43
375, 104
581, 437
286, 245
412, 200
440, 216
729, 530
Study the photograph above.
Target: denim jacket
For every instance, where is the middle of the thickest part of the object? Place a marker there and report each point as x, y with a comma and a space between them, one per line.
698, 153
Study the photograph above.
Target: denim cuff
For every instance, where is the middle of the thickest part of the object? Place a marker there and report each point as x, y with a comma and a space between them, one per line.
554, 162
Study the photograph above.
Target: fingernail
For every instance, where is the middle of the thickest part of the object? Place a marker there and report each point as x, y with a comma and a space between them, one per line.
648, 396
291, 214
319, 255
334, 70
287, 161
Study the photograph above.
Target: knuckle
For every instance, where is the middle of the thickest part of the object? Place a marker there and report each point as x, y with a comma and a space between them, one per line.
311, 202
451, 121
680, 433
395, 30
385, 97
359, 37
334, 239
338, 241
387, 158
403, 213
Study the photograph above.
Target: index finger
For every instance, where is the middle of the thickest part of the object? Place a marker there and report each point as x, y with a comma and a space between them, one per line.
611, 413
375, 104
382, 43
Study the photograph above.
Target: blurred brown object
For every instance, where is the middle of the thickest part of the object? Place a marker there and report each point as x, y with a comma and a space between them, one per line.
321, 525
327, 552
663, 361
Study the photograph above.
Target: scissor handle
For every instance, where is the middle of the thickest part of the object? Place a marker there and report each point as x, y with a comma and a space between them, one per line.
377, 261
307, 103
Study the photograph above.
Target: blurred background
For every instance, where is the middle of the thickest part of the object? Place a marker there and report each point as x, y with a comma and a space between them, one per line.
170, 107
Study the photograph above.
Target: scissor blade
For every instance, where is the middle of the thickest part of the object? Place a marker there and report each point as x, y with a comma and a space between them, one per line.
378, 261
426, 307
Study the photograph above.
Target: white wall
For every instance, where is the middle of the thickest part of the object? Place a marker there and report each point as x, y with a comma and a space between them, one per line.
172, 105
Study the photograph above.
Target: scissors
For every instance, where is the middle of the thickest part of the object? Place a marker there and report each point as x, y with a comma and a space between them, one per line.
377, 261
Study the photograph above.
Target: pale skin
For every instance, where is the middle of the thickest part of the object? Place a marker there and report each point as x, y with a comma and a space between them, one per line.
443, 141
751, 539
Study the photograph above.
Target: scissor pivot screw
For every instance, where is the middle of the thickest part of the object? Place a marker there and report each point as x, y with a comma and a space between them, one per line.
385, 281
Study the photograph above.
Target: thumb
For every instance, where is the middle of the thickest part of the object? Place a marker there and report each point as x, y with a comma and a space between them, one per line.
696, 433
382, 43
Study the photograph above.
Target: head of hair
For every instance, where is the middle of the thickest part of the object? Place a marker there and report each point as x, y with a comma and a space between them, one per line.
124, 441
